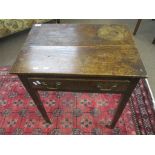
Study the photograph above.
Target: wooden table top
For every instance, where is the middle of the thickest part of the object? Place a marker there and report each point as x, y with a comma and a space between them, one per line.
79, 49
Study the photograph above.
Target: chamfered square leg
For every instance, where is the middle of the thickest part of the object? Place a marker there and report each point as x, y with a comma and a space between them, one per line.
35, 96
123, 101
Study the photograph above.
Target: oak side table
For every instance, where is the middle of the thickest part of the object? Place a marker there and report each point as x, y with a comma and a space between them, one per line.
80, 58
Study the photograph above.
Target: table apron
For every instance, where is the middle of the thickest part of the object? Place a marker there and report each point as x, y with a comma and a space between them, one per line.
80, 85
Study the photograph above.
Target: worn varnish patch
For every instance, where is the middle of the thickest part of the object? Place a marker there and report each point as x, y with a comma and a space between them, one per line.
115, 33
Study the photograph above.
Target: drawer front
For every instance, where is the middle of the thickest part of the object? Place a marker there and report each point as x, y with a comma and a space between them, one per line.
89, 85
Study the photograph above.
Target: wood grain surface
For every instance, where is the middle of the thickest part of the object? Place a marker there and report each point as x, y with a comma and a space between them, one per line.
76, 60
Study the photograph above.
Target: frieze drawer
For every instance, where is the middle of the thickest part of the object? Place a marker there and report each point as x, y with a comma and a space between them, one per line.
90, 85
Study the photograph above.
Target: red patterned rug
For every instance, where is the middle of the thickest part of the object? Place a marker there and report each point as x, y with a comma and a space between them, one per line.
72, 113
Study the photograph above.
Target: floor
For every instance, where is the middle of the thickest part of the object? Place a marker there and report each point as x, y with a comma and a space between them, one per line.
10, 46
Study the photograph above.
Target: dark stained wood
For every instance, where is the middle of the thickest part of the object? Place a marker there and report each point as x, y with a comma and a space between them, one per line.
80, 85
58, 21
84, 58
137, 26
35, 96
153, 42
86, 61
78, 35
124, 99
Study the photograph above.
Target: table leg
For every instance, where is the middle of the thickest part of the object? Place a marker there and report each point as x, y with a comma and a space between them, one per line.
137, 26
153, 42
124, 99
35, 96
58, 21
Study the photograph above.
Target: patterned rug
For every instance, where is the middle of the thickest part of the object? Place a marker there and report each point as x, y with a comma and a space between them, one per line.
72, 113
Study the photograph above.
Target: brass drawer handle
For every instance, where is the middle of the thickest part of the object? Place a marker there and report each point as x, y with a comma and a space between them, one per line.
115, 86
101, 87
44, 83
51, 88
57, 86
